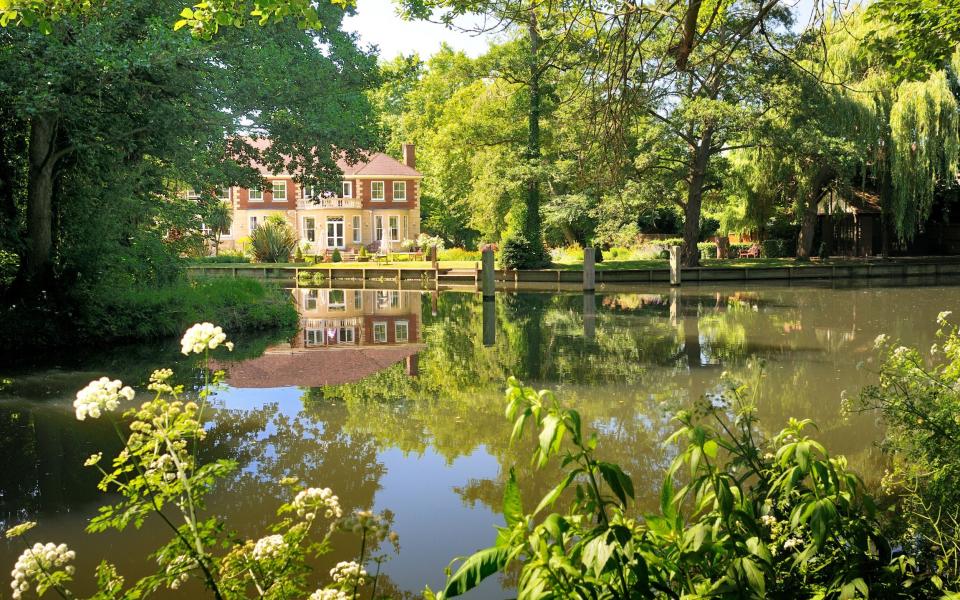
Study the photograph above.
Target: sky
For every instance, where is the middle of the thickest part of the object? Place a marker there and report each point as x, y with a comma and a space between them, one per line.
377, 24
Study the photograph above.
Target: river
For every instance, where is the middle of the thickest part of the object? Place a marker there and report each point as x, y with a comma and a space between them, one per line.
394, 400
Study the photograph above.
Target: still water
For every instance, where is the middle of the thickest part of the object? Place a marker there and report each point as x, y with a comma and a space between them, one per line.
393, 399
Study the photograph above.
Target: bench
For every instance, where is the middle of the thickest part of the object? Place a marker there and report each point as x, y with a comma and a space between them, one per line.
751, 252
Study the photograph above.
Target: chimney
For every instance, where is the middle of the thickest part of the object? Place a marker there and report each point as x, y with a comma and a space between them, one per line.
410, 155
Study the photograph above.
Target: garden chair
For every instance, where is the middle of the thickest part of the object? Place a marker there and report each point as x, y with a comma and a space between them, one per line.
751, 252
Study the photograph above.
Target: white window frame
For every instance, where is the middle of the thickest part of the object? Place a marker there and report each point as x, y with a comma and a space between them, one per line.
358, 299
276, 185
314, 337
383, 191
355, 224
393, 227
379, 326
193, 194
258, 192
228, 190
406, 331
307, 192
378, 228
346, 189
310, 231
253, 223
345, 335
403, 186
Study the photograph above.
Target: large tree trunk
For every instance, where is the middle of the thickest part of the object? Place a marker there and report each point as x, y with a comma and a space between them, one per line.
37, 264
532, 228
691, 211
808, 220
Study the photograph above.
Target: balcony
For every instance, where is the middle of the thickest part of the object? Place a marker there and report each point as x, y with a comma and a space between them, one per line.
309, 203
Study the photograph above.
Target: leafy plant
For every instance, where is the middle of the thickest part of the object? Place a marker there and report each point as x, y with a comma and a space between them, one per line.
740, 516
519, 253
273, 241
335, 257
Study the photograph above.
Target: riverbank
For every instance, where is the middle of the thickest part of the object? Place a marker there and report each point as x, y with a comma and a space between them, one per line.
459, 273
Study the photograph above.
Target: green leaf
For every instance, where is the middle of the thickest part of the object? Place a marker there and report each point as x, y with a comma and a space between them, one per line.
620, 484
512, 504
596, 554
187, 13
553, 494
475, 569
547, 434
754, 575
710, 448
666, 498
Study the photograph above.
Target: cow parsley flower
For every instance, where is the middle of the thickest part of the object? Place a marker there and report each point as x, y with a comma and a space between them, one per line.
329, 594
268, 547
203, 336
20, 529
943, 316
311, 500
348, 574
100, 395
37, 563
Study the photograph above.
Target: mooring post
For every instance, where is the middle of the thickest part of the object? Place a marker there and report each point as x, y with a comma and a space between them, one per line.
489, 287
674, 265
589, 316
489, 321
589, 269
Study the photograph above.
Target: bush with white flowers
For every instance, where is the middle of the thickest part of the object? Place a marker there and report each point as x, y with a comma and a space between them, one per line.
158, 472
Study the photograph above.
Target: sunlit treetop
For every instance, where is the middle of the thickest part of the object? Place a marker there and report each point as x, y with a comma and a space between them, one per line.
204, 19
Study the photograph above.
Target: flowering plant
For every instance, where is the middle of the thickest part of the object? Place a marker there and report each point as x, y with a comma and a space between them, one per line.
158, 475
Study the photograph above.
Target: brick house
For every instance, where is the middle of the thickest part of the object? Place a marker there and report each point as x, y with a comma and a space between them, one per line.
376, 204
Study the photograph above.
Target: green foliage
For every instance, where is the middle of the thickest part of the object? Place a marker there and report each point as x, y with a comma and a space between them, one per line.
273, 241
775, 248
917, 397
518, 253
298, 255
458, 254
740, 516
335, 257
222, 258
707, 250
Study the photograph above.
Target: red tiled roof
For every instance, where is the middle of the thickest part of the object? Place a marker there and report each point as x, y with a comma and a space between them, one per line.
377, 164
313, 367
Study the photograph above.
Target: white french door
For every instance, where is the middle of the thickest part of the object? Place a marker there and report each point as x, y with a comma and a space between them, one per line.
335, 232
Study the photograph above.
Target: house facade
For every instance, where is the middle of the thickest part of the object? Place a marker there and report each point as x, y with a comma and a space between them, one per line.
376, 205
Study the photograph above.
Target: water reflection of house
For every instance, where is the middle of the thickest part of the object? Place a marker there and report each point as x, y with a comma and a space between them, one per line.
345, 335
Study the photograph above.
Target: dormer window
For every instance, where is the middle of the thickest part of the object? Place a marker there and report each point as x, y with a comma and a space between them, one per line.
346, 189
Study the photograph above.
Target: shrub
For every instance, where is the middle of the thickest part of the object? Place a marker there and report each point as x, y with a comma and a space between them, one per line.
459, 254
273, 241
519, 253
298, 257
755, 517
335, 257
222, 258
733, 251
777, 248
9, 264
708, 227
597, 254
363, 252
707, 249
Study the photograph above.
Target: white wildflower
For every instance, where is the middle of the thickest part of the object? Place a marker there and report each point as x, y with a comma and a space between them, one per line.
36, 564
268, 547
329, 594
201, 337
768, 520
943, 316
348, 573
311, 500
792, 543
100, 395
880, 340
94, 459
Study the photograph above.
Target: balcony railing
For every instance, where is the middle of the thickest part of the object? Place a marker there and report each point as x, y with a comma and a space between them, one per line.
307, 203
